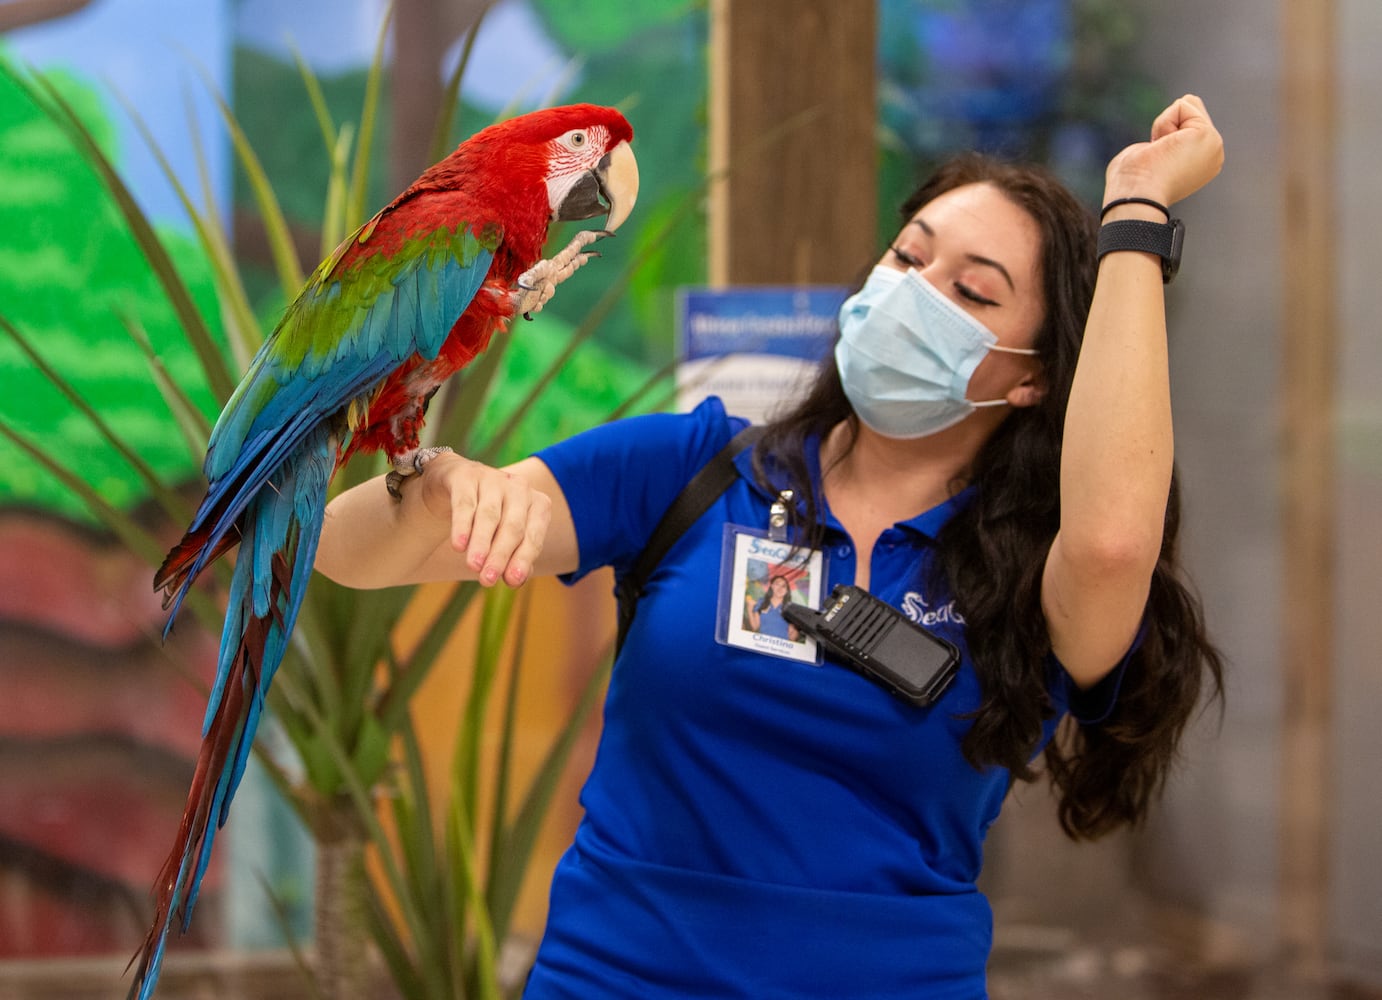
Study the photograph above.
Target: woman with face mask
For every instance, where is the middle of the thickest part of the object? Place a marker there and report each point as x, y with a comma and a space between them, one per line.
988, 451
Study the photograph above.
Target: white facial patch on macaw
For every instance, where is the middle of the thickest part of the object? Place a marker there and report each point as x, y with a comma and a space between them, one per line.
569, 157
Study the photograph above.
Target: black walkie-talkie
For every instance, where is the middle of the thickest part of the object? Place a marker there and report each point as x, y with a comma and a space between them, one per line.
881, 643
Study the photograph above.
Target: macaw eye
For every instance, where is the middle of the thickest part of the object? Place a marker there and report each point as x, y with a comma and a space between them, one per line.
575, 139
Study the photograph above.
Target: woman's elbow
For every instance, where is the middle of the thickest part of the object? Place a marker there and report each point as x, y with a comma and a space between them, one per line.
1115, 554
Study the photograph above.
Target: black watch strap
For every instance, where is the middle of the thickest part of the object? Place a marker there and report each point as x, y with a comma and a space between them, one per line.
1164, 239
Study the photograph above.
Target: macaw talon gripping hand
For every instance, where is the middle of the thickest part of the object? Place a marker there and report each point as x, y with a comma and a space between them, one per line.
389, 316
538, 284
411, 463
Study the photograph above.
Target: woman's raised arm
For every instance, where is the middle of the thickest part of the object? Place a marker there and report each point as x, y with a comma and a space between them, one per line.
1116, 455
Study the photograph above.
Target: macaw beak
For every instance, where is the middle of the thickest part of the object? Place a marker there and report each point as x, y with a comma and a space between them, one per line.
612, 188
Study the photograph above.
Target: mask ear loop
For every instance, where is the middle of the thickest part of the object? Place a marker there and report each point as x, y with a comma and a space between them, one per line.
1030, 352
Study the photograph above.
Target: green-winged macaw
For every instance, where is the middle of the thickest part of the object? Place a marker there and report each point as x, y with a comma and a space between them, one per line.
400, 306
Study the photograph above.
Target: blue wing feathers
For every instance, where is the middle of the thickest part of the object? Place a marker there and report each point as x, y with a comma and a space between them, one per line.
333, 373
273, 395
294, 403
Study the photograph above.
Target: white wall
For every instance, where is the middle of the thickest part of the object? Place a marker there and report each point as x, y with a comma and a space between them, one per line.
1213, 847
1356, 897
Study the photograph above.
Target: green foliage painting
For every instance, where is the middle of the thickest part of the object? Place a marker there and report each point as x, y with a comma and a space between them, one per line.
69, 272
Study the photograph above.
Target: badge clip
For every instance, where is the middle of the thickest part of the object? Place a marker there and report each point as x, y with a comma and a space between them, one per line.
777, 516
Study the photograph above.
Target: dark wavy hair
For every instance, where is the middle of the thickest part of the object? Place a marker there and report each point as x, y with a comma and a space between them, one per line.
993, 551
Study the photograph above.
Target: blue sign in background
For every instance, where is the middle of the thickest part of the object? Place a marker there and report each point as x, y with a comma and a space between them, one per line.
791, 322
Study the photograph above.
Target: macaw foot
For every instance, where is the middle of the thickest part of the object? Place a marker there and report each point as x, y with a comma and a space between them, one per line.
537, 284
410, 463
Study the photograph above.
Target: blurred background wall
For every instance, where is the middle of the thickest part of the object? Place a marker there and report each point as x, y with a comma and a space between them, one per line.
1232, 862
1355, 903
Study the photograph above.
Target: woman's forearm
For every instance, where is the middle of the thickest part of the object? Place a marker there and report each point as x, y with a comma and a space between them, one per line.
1117, 452
371, 540
458, 520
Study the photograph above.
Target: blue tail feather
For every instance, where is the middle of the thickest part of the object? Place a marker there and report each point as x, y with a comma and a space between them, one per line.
281, 526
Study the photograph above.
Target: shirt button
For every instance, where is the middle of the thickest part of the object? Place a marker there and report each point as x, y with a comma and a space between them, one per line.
843, 552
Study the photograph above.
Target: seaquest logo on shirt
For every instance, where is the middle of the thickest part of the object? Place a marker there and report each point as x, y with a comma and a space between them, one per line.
914, 606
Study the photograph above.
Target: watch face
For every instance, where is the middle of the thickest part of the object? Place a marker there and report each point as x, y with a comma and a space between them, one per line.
1170, 264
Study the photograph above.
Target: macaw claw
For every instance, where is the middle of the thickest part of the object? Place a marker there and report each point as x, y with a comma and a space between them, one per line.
410, 463
537, 285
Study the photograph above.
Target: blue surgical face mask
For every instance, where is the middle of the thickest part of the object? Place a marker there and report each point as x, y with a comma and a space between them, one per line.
906, 354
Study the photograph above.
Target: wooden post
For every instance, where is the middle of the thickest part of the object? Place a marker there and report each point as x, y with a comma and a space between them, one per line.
419, 40
21, 13
1309, 358
792, 118
422, 32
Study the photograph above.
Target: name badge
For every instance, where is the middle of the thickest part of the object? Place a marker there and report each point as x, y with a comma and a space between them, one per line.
759, 577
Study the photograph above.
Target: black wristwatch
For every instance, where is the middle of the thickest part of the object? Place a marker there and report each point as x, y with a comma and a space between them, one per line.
1164, 239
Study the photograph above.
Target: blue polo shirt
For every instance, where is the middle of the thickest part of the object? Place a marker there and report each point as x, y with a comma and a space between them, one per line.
759, 827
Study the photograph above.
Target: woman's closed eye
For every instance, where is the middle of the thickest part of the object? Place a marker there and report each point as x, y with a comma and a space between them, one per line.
968, 293
910, 259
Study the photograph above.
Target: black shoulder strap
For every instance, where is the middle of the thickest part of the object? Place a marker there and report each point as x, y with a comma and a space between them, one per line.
694, 500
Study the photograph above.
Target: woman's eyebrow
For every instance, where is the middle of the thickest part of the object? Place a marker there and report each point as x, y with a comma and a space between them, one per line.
973, 258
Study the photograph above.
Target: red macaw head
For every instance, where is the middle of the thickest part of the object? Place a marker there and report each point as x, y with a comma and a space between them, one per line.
590, 169
578, 154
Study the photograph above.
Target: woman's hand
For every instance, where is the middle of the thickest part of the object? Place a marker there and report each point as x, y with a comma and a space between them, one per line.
498, 521
1185, 153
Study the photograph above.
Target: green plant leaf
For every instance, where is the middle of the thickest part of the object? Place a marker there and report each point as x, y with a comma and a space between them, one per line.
44, 94
358, 198
337, 192
359, 794
318, 100
466, 886
664, 377
285, 926
495, 614
371, 749
242, 329
451, 96
413, 822
285, 255
191, 423
403, 966
368, 621
168, 499
510, 855
122, 525
393, 701
297, 713
276, 773
499, 803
